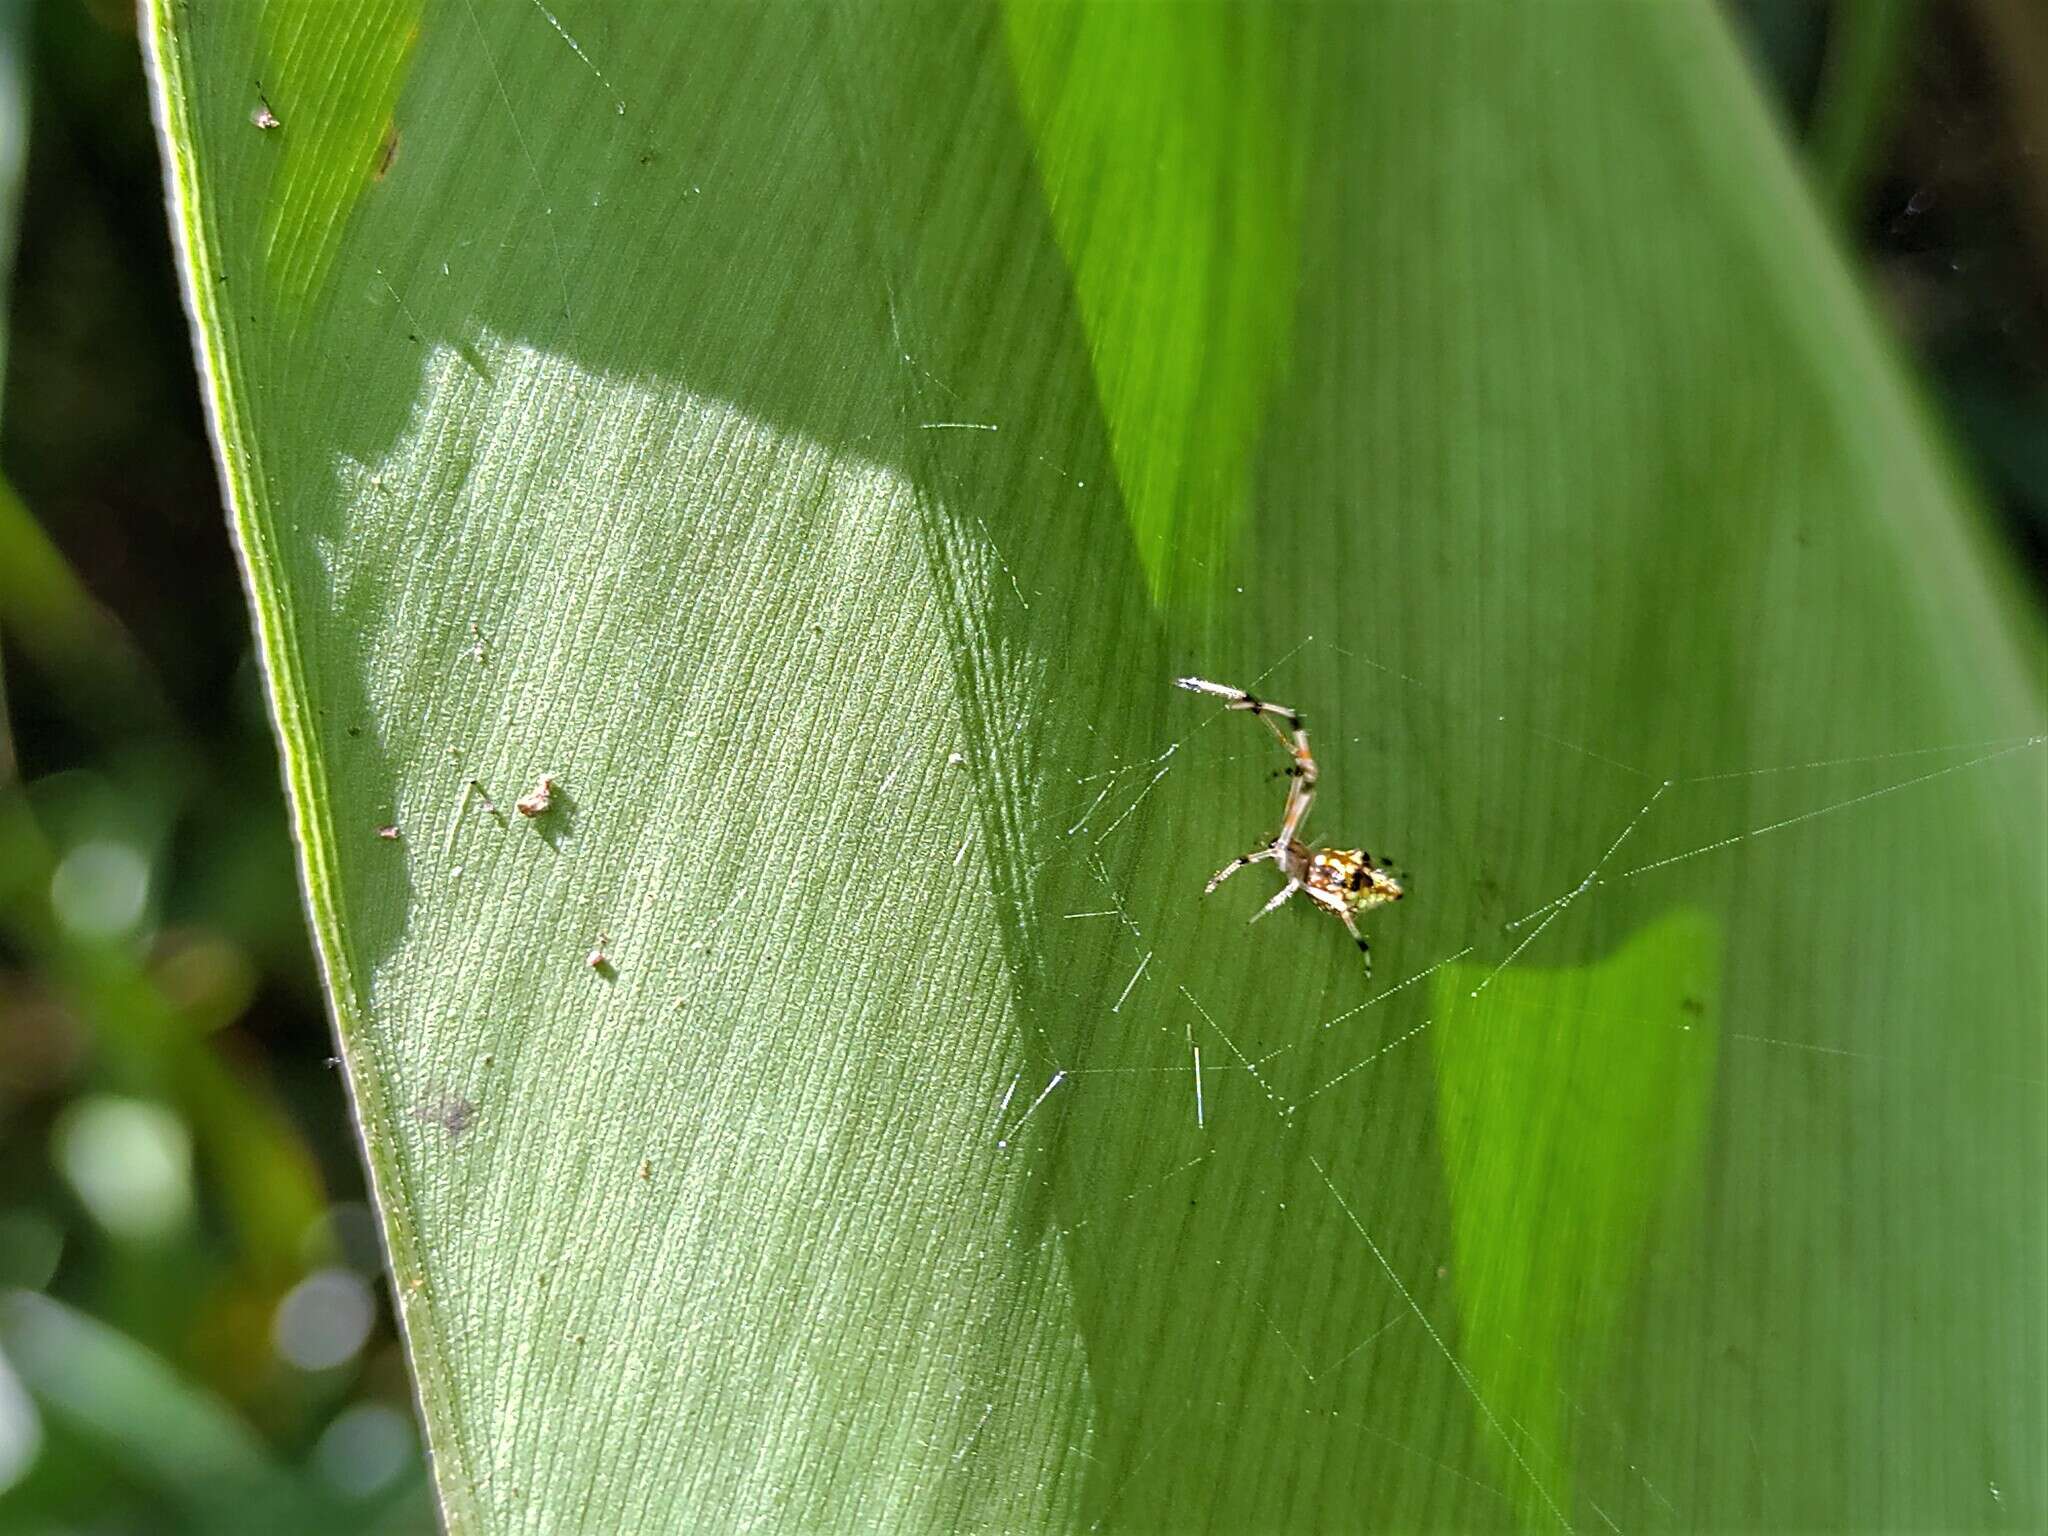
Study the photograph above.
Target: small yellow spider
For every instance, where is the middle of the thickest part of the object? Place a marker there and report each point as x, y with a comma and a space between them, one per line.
1343, 881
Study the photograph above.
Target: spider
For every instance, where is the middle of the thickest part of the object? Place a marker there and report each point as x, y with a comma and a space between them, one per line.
1343, 881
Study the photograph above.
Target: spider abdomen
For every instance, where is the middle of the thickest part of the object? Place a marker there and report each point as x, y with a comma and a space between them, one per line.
1351, 876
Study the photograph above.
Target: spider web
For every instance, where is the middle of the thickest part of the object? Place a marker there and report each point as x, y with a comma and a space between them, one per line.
1227, 1077
1241, 1144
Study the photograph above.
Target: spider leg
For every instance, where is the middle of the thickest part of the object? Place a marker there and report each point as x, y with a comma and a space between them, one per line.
1294, 741
1286, 891
1302, 792
1235, 865
1364, 948
1237, 698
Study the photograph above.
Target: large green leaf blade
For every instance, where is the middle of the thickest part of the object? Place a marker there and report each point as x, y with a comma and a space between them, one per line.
747, 456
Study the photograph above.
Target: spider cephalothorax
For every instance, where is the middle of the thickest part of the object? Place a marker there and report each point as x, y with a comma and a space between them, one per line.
1343, 881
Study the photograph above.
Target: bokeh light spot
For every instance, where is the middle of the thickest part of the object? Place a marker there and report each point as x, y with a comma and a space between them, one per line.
130, 1162
364, 1449
100, 889
324, 1319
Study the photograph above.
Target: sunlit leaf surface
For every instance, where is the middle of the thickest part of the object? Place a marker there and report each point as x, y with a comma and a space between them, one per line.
816, 436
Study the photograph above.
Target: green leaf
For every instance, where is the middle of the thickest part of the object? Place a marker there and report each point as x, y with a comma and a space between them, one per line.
336, 81
139, 1419
1571, 1101
816, 438
210, 1466
1180, 225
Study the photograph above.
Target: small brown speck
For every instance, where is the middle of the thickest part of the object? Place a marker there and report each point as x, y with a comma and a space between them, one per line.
597, 959
539, 800
389, 834
387, 151
646, 1167
453, 1113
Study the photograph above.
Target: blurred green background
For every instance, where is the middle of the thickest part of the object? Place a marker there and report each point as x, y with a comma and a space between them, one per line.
193, 1329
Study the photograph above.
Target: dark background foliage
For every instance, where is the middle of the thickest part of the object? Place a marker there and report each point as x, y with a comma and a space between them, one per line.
162, 1040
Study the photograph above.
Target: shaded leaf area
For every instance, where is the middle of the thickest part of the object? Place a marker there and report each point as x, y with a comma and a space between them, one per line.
840, 1108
